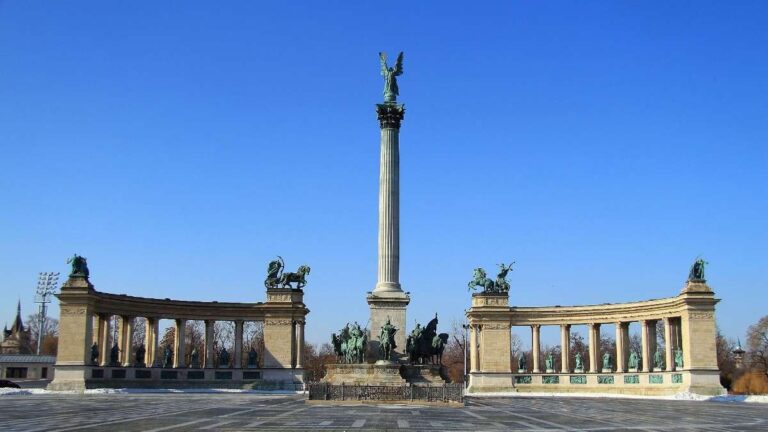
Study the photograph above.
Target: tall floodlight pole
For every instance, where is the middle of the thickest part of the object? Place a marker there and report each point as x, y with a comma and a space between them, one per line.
387, 300
46, 286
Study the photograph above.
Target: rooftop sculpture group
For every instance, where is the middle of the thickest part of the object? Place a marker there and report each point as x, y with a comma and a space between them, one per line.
79, 266
500, 285
277, 279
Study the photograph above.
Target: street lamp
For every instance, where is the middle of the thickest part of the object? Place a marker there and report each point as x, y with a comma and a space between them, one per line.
466, 328
46, 286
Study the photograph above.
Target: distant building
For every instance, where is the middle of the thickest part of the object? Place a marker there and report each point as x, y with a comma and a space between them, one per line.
15, 340
26, 366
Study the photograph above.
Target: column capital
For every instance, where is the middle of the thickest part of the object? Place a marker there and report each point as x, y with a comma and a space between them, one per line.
390, 115
536, 326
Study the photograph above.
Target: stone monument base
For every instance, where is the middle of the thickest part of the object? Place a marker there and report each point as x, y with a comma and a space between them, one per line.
373, 374
425, 374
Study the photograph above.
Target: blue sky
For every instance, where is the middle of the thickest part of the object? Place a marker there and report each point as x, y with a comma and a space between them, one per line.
180, 146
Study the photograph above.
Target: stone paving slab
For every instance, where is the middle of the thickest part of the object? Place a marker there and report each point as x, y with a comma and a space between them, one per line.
244, 412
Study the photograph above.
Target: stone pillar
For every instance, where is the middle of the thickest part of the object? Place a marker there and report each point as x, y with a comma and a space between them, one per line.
621, 357
104, 347
536, 348
388, 301
127, 340
473, 360
149, 353
669, 361
180, 344
299, 344
238, 363
96, 333
157, 356
644, 336
652, 339
209, 361
594, 347
76, 335
565, 348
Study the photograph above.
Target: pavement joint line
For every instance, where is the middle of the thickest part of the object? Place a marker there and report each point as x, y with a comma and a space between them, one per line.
101, 423
215, 425
326, 423
534, 419
176, 425
258, 407
358, 423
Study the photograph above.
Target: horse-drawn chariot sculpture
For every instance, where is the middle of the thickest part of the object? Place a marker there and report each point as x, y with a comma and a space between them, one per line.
276, 278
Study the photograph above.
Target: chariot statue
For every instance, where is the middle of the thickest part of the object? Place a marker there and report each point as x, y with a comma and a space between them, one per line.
276, 278
480, 279
79, 266
501, 283
697, 270
390, 74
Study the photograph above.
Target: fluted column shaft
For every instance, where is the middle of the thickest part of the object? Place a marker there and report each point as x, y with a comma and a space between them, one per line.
104, 339
594, 347
644, 336
389, 212
299, 344
127, 340
536, 348
621, 347
238, 363
473, 360
565, 348
668, 345
180, 344
209, 344
157, 356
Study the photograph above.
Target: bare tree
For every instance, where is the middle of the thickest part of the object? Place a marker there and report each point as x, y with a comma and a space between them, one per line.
757, 345
50, 334
139, 332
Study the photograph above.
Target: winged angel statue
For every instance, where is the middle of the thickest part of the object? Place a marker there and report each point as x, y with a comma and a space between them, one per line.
390, 81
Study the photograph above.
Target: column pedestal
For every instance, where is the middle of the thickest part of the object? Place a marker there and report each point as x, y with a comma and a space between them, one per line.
390, 305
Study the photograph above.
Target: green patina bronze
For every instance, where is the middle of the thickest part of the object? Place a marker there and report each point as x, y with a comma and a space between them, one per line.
424, 345
656, 379
677, 378
480, 279
549, 362
607, 361
390, 74
522, 365
523, 379
579, 361
634, 360
697, 271
605, 379
578, 379
550, 379
678, 359
277, 279
658, 360
79, 266
631, 379
350, 344
387, 340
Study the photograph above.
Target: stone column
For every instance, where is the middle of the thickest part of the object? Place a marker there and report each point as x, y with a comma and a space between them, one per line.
473, 360
148, 352
644, 336
127, 340
209, 362
388, 301
157, 356
565, 348
104, 347
668, 345
652, 339
620, 348
299, 344
238, 363
536, 348
180, 344
594, 347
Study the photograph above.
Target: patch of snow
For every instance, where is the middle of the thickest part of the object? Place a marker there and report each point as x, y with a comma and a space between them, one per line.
685, 396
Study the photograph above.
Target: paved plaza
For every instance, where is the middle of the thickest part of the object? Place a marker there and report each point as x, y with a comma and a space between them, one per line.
243, 412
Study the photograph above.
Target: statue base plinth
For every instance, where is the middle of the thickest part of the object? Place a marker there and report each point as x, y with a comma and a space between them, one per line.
373, 374
387, 306
633, 370
578, 370
607, 371
549, 371
522, 371
425, 374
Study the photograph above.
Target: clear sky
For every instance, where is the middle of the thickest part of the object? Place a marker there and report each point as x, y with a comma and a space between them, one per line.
180, 146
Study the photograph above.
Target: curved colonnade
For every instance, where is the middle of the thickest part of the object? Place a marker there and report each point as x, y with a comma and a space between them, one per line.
85, 319
689, 335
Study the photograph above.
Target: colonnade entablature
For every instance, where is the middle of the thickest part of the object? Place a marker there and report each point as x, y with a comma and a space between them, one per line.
94, 352
687, 362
